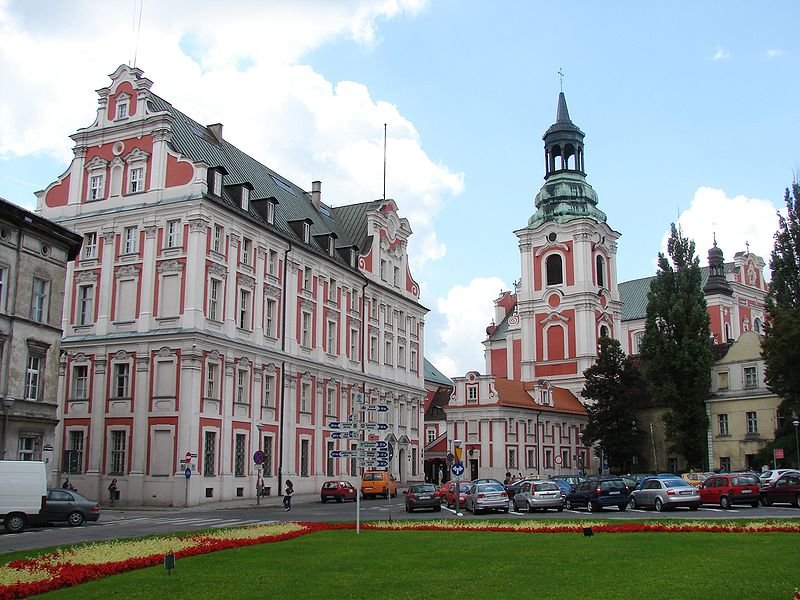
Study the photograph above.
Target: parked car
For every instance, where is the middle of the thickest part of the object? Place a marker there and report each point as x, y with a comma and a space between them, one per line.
422, 495
694, 478
442, 491
767, 478
450, 494
785, 489
513, 488
67, 506
488, 480
596, 493
338, 490
565, 486
663, 494
487, 496
378, 483
534, 495
729, 489
23, 492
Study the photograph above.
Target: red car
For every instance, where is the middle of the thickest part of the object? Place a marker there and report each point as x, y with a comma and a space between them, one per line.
784, 489
732, 488
450, 494
338, 490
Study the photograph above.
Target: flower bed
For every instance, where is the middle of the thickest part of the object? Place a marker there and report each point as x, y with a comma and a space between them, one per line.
76, 565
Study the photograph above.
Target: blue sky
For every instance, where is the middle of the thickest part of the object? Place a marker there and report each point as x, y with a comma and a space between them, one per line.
689, 108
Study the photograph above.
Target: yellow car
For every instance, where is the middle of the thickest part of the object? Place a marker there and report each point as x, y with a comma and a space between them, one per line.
378, 483
694, 478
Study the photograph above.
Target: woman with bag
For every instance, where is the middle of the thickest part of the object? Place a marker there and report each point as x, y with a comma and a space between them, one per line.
287, 495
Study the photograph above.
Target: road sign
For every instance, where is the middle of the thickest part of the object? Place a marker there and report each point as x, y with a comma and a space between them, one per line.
374, 444
457, 469
352, 418
374, 453
359, 399
778, 452
187, 473
343, 453
457, 450
344, 425
557, 459
376, 407
258, 457
188, 457
343, 435
370, 463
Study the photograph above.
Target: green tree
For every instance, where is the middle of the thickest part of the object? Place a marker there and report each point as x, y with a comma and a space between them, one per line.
676, 350
614, 383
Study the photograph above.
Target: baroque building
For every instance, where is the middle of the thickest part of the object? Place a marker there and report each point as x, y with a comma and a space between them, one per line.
218, 309
33, 261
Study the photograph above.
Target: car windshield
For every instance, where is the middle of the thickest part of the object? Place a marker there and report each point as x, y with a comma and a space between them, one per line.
546, 487
330, 484
675, 483
373, 477
744, 480
423, 488
611, 484
490, 487
465, 487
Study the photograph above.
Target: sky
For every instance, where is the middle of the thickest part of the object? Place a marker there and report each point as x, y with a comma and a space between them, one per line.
689, 108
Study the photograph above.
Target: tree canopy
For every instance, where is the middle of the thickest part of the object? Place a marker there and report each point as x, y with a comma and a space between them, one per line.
676, 349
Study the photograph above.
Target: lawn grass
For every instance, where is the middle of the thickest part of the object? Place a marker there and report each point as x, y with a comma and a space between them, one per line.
426, 564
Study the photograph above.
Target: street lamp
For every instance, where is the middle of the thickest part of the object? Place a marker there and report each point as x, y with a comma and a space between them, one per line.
796, 424
457, 484
8, 402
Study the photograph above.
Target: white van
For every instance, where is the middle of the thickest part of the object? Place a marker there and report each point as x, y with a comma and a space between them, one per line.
23, 492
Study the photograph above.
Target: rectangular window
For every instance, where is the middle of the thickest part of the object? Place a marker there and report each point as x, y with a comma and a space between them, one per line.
354, 344
32, 376
270, 212
401, 356
305, 458
373, 348
247, 251
269, 391
118, 452
373, 308
75, 460
531, 458
85, 304
241, 386
307, 279
217, 183
548, 458
210, 454
173, 233
122, 385
211, 380
80, 382
331, 338
305, 331
388, 355
272, 263
244, 309
752, 422
722, 380
332, 290
750, 379
397, 276
722, 421
131, 236
39, 300
414, 367
219, 236
245, 198
383, 270
472, 393
512, 458
305, 398
214, 287
239, 453
269, 325
122, 110
725, 464
329, 462
267, 464
3, 286
127, 290
165, 379
137, 180
90, 245
330, 402
29, 447
430, 435
96, 187
565, 464
306, 232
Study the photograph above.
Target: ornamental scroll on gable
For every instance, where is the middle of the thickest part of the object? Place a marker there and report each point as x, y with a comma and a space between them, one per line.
387, 259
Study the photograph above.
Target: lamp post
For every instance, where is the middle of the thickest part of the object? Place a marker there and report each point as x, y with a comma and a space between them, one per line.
796, 424
260, 469
580, 456
8, 402
457, 484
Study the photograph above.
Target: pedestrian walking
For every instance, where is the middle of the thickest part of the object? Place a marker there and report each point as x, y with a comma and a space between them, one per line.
113, 492
287, 495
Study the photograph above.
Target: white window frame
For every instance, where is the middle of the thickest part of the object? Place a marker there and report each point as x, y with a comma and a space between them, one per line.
40, 300
330, 337
308, 278
401, 356
750, 377
244, 316
135, 179
751, 418
123, 107
214, 299
354, 343
212, 380
270, 316
173, 231
388, 352
218, 237
305, 397
272, 264
722, 424
247, 251
80, 382
271, 213
306, 232
97, 186
217, 183
270, 381
332, 290
330, 401
90, 245
242, 386
305, 329
85, 305
121, 384
131, 235
245, 198
33, 377
118, 450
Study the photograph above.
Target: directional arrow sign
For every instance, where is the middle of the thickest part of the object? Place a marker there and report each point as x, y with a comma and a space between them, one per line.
344, 435
342, 453
344, 425
373, 454
383, 426
375, 444
352, 418
457, 469
373, 463
376, 407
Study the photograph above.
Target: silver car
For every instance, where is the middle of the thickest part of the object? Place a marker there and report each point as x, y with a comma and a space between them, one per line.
664, 493
538, 494
487, 496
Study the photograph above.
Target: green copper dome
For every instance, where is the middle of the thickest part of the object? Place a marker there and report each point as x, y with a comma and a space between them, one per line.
566, 196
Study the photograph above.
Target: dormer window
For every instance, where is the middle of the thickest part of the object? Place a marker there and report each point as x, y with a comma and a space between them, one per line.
217, 185
271, 212
331, 247
123, 104
352, 257
245, 198
306, 232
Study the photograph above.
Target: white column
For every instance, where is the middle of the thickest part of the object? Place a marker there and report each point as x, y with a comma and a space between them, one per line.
105, 287
97, 434
147, 277
140, 434
194, 273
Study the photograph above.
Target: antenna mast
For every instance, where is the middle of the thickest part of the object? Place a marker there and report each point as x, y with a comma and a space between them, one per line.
384, 162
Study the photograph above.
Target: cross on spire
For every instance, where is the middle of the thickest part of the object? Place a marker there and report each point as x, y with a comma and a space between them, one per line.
747, 245
561, 78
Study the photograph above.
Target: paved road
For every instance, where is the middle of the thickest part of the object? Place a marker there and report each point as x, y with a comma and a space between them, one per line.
116, 524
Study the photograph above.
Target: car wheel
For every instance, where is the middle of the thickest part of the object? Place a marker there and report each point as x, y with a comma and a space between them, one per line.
14, 523
659, 504
622, 507
725, 502
755, 504
767, 501
568, 505
75, 518
340, 499
590, 506
797, 501
560, 509
632, 503
408, 508
323, 499
694, 507
437, 508
530, 508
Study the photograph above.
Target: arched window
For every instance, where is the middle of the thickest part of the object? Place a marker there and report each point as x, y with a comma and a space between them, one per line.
757, 325
638, 338
555, 275
728, 337
603, 331
601, 271
555, 343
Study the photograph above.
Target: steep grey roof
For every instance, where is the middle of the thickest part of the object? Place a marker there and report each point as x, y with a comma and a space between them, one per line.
294, 204
352, 221
633, 294
433, 374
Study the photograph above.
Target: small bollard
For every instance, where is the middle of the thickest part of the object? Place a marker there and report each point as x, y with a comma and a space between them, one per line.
169, 562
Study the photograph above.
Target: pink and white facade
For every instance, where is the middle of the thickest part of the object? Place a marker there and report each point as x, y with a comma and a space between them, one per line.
217, 309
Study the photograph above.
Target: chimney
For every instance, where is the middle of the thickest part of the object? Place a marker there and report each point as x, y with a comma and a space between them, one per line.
316, 193
216, 129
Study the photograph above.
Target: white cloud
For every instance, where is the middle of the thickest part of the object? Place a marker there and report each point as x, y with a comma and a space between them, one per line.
736, 221
774, 53
468, 310
240, 65
721, 54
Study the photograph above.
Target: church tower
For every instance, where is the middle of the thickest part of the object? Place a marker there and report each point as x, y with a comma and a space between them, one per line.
567, 297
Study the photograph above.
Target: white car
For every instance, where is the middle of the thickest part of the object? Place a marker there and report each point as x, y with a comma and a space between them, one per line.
767, 478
